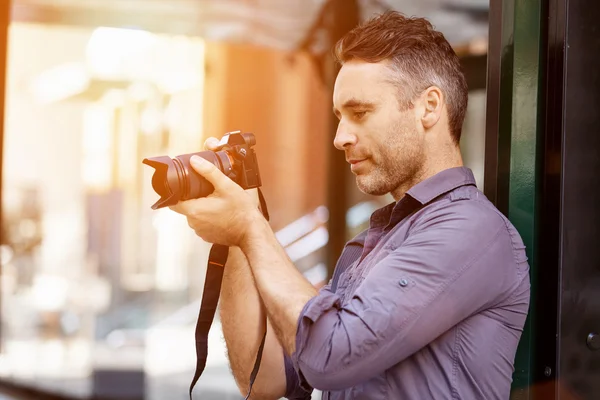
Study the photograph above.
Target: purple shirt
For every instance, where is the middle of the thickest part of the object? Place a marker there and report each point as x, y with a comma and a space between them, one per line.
432, 307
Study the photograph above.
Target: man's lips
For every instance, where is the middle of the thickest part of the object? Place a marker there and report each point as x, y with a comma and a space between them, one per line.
356, 164
356, 161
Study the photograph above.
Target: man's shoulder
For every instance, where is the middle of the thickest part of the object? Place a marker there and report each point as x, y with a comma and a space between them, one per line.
467, 207
473, 219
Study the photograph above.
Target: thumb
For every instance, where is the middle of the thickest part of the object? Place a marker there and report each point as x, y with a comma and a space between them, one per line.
211, 143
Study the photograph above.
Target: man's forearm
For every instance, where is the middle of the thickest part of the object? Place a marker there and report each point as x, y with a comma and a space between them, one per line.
244, 322
283, 289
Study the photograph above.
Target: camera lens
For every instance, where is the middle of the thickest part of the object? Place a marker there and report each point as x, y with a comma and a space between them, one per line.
175, 180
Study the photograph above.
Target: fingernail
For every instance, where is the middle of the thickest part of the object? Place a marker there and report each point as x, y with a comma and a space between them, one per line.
197, 160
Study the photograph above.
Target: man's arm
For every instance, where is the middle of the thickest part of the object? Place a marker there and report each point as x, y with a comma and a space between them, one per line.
453, 265
244, 322
283, 289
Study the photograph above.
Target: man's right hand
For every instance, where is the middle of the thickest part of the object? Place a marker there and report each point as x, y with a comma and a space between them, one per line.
212, 144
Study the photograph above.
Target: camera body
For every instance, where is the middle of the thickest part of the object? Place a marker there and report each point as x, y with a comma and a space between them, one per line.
174, 179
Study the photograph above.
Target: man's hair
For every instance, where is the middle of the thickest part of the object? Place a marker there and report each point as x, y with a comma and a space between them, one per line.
419, 57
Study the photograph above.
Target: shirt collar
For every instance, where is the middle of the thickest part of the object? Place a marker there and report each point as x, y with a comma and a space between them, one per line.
442, 182
421, 194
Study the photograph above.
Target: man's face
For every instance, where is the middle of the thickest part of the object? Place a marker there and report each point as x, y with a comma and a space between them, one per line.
383, 142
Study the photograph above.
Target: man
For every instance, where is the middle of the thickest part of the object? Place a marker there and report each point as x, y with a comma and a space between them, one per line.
434, 295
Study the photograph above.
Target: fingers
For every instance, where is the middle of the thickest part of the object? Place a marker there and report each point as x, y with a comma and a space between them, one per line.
211, 173
212, 143
182, 208
190, 208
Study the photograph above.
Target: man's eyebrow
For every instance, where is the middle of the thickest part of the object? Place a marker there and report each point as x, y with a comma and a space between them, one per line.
355, 103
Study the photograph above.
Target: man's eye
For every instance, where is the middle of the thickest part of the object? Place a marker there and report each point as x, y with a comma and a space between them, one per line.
359, 114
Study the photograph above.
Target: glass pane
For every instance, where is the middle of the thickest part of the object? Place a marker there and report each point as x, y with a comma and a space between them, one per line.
97, 286
472, 141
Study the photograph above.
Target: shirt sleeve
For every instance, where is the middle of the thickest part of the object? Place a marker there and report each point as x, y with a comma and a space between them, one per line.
456, 261
295, 388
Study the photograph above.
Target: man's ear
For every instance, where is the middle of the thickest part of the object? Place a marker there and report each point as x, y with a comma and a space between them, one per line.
433, 101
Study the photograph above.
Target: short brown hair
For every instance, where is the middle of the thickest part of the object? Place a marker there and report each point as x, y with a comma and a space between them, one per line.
420, 57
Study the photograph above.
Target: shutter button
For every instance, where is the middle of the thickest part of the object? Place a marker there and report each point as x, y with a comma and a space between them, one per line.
403, 282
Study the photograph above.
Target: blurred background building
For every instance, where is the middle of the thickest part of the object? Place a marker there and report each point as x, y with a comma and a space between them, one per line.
100, 293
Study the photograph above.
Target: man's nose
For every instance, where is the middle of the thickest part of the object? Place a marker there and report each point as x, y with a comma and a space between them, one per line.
343, 137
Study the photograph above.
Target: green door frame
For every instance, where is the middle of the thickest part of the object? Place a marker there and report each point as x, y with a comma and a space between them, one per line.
513, 156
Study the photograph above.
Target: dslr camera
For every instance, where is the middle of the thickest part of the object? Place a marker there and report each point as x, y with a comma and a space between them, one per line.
174, 180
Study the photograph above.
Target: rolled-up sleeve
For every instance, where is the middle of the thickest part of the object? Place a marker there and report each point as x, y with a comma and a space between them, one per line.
454, 263
295, 388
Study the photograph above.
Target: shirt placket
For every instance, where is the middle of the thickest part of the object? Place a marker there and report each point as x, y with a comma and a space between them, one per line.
355, 274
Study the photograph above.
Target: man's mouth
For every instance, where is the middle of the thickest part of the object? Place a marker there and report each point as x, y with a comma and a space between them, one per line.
355, 164
353, 161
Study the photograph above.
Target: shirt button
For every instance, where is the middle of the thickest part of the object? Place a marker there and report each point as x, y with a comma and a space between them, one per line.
403, 282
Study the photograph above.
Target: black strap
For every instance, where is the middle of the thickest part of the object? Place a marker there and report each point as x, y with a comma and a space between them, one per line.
210, 298
256, 367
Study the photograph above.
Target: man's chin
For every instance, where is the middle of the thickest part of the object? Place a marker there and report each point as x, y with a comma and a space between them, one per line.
367, 186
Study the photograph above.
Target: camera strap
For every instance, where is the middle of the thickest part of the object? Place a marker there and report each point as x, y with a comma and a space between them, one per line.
210, 298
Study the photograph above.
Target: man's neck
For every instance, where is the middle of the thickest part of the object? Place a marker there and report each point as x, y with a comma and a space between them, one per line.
439, 163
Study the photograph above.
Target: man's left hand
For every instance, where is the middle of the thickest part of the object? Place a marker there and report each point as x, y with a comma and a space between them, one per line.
226, 215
